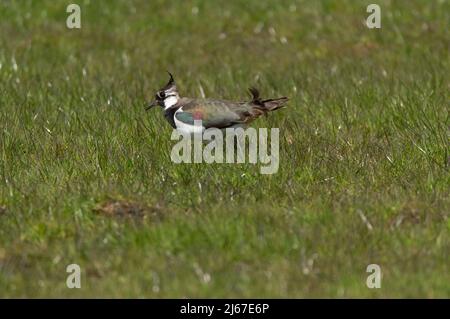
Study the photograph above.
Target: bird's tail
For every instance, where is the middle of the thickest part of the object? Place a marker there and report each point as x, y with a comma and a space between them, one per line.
267, 105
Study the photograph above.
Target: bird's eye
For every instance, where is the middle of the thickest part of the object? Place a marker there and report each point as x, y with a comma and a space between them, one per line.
161, 94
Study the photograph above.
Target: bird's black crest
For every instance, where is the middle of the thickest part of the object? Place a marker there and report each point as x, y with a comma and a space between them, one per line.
170, 83
255, 95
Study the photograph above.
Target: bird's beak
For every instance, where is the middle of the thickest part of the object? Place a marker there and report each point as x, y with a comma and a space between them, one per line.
151, 105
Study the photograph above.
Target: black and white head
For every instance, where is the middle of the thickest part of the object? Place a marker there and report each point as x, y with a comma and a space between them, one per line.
167, 96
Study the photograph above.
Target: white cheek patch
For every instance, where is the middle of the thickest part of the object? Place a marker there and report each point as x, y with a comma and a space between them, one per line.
170, 101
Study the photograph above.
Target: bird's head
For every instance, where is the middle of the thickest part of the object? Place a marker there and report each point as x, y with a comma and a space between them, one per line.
167, 96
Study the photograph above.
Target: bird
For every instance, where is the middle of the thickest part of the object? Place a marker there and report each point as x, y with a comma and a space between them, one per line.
181, 112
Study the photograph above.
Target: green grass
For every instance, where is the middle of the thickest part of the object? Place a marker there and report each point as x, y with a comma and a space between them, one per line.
365, 136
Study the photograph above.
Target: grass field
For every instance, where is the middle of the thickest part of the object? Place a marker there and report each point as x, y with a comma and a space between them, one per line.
364, 150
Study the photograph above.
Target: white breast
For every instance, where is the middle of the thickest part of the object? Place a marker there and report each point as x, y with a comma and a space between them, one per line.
186, 128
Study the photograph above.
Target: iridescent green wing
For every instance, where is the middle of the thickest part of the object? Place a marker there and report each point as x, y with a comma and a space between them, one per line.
214, 113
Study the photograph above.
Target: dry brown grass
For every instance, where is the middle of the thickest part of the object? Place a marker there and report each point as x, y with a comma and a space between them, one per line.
126, 208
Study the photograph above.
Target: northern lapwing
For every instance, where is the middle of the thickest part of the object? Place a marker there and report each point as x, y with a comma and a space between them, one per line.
181, 112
